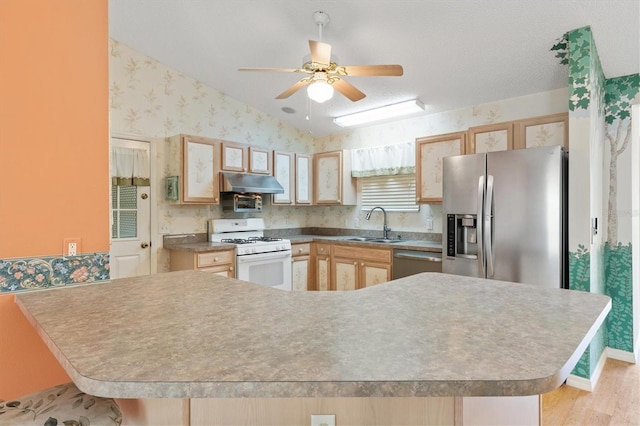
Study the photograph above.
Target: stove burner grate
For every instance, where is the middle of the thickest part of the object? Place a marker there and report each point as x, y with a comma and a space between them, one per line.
267, 239
237, 241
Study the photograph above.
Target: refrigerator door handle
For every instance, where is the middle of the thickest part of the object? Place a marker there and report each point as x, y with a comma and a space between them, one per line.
488, 223
479, 233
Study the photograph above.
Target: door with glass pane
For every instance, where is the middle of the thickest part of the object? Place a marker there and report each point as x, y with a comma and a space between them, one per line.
130, 253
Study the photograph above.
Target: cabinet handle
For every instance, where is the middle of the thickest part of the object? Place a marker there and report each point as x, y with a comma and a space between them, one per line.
299, 250
355, 263
215, 259
231, 268
362, 264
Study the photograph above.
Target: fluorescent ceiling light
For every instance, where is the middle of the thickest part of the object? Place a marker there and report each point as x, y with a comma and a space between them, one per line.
379, 114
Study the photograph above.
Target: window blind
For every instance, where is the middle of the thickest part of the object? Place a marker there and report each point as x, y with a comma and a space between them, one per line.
393, 193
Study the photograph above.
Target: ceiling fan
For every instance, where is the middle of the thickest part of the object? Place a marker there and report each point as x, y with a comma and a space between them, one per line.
325, 75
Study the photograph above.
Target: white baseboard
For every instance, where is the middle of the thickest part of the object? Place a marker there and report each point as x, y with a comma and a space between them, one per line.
621, 355
589, 384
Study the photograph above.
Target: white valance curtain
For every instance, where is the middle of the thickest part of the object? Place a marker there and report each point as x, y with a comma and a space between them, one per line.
129, 167
397, 159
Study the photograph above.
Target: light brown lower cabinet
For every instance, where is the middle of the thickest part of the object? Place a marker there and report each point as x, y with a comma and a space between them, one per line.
348, 267
219, 262
364, 267
300, 266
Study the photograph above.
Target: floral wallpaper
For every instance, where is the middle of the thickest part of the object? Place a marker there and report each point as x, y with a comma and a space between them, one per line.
21, 274
151, 100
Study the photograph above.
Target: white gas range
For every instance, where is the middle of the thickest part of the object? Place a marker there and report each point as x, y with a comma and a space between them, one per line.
259, 259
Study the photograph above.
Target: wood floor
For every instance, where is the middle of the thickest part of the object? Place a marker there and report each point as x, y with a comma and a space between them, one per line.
615, 401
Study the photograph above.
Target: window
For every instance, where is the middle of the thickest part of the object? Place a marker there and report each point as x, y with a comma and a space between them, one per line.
124, 204
393, 193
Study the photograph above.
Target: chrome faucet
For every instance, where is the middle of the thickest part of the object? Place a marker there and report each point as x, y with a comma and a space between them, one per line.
385, 228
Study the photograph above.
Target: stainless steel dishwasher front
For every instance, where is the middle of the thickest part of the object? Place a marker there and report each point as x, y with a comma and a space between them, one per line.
411, 262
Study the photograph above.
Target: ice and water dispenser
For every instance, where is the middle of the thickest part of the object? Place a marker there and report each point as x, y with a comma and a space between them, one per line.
462, 238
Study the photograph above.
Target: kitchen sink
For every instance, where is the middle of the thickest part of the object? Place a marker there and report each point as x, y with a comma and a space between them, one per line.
373, 240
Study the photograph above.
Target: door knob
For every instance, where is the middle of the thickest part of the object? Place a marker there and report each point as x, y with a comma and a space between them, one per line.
144, 196
144, 244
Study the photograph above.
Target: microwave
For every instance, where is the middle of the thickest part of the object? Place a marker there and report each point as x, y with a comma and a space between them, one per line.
241, 203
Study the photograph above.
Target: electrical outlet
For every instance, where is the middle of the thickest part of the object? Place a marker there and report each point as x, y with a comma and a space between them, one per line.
71, 247
164, 228
323, 420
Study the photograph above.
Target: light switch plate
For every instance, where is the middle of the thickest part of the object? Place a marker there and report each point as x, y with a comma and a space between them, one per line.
323, 420
429, 223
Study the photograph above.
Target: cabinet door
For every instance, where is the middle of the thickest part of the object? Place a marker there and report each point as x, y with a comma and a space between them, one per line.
328, 178
303, 179
259, 160
323, 269
300, 273
547, 130
199, 171
322, 266
374, 273
429, 154
345, 273
489, 138
234, 157
283, 172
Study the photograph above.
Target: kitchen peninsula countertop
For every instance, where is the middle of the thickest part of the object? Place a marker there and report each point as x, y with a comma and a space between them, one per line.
192, 334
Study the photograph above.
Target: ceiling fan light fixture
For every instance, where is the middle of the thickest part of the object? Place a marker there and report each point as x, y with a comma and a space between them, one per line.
320, 91
384, 113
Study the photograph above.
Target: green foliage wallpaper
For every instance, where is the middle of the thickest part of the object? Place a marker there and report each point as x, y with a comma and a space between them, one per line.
585, 71
608, 103
618, 286
579, 279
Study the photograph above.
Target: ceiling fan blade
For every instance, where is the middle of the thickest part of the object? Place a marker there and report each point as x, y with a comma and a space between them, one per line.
348, 90
374, 70
293, 89
320, 52
271, 69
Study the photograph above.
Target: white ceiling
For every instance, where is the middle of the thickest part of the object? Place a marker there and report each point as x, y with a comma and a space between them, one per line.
455, 53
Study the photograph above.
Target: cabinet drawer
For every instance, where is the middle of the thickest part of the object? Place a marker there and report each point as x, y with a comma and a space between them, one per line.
303, 249
214, 258
323, 249
370, 254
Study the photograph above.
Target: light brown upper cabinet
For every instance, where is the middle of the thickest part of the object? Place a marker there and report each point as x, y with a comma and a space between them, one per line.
199, 164
547, 130
491, 137
235, 157
260, 160
332, 179
429, 154
304, 179
283, 171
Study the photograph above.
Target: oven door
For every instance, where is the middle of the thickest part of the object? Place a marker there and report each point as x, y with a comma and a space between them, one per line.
268, 269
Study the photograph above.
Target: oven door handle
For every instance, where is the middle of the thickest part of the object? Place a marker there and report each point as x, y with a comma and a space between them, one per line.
259, 257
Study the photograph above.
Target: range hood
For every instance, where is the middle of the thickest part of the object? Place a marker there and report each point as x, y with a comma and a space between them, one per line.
242, 182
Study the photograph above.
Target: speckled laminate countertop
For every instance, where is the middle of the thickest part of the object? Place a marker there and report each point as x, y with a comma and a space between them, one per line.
195, 334
420, 245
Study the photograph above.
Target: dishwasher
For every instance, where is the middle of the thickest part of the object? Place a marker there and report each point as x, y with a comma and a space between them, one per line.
411, 262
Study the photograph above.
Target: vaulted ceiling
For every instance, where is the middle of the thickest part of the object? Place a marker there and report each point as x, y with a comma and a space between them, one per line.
455, 53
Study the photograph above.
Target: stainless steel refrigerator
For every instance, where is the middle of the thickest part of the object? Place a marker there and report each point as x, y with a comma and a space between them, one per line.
505, 216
